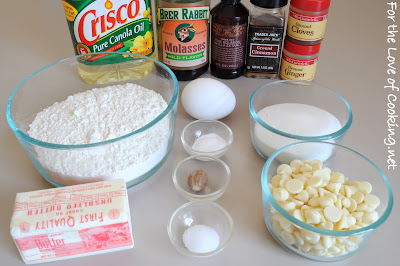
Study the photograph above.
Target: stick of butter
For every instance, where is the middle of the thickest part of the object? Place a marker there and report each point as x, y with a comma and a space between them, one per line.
73, 221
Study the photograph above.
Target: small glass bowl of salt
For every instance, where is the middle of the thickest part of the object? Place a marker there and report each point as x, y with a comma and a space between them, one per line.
207, 137
200, 229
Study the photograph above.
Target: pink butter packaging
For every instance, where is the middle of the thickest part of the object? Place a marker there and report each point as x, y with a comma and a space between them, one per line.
73, 221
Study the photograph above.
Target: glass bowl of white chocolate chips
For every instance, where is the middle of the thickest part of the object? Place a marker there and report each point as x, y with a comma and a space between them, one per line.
324, 210
89, 118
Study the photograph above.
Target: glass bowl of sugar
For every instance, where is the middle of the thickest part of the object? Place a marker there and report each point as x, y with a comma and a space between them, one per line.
324, 210
200, 229
81, 120
207, 137
288, 111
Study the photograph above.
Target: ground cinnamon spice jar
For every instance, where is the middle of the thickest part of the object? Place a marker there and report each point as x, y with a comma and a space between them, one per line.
299, 61
307, 21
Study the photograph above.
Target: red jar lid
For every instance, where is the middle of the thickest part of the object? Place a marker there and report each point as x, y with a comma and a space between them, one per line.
311, 5
301, 49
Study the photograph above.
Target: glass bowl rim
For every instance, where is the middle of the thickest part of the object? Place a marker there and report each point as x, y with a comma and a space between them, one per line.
210, 195
206, 254
296, 222
332, 135
228, 144
37, 142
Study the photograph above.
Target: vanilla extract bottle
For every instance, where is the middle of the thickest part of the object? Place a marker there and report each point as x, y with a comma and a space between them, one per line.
228, 39
183, 36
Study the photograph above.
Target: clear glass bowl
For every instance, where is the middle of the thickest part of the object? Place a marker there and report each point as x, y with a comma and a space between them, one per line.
267, 139
57, 81
200, 213
202, 128
219, 177
322, 244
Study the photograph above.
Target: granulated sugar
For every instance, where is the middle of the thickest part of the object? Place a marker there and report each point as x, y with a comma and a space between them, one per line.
296, 119
99, 115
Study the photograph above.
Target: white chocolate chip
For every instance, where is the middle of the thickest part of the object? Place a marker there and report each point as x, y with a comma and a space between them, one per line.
298, 214
299, 239
314, 181
280, 194
332, 213
294, 186
284, 169
353, 205
305, 168
314, 201
365, 187
288, 237
316, 164
310, 237
311, 191
337, 178
362, 207
295, 165
332, 196
370, 217
312, 216
325, 201
276, 180
298, 202
372, 200
303, 196
346, 202
323, 174
286, 225
288, 206
334, 187
277, 227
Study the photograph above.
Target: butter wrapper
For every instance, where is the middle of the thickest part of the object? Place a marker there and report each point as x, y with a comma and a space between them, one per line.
73, 221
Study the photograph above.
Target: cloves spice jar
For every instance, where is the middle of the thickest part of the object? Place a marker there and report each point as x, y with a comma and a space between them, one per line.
299, 61
307, 21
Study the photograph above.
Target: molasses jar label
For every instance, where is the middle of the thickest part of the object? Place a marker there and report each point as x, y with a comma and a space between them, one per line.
184, 35
299, 69
306, 27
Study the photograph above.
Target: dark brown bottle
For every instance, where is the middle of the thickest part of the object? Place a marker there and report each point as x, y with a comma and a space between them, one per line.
228, 39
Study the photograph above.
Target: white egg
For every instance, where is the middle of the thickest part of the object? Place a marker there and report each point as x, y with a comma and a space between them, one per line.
207, 98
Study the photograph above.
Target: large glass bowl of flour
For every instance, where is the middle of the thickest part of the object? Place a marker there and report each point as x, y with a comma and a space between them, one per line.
75, 132
288, 111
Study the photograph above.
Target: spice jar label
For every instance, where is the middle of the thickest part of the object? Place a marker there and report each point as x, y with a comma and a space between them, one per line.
228, 44
264, 48
306, 27
184, 35
298, 69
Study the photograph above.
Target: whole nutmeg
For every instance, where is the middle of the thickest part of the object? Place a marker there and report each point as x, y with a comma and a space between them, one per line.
197, 180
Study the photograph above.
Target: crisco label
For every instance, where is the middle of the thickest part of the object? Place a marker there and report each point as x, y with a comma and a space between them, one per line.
298, 69
184, 35
110, 25
306, 27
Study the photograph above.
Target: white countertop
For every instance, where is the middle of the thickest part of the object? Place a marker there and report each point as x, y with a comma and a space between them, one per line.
353, 61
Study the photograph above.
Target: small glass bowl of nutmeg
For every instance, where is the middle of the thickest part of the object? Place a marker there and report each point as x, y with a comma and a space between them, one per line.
201, 178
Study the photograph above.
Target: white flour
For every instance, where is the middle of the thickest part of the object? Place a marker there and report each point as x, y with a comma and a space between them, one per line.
99, 115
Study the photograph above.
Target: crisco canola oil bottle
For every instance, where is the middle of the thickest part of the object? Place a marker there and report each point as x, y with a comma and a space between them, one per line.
107, 26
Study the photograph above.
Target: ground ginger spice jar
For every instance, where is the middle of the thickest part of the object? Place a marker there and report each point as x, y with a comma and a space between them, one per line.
307, 21
299, 61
